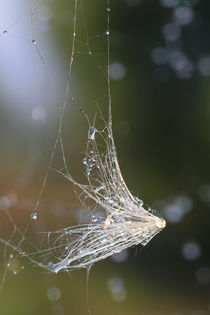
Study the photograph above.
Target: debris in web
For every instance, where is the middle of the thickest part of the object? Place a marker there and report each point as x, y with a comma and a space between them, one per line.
118, 219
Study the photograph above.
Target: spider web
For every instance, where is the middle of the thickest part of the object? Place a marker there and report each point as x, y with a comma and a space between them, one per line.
117, 218
18, 242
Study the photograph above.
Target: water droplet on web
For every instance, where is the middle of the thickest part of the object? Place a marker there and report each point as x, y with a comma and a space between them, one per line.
140, 202
5, 32
34, 42
94, 218
14, 272
74, 34
11, 256
34, 215
88, 171
51, 264
107, 33
19, 249
91, 133
22, 267
104, 240
8, 265
84, 161
108, 9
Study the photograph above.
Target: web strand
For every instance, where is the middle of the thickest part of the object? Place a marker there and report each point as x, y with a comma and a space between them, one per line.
118, 219
62, 111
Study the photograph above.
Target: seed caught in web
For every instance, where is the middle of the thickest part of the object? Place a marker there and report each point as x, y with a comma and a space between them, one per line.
118, 221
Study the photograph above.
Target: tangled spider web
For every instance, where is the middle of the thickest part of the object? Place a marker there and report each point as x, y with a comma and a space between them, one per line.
118, 219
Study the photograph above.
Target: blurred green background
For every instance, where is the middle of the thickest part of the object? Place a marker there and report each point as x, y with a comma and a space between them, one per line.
160, 77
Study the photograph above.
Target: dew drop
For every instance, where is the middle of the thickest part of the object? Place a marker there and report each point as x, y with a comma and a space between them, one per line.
94, 218
14, 272
84, 161
5, 32
22, 267
11, 256
88, 171
19, 249
91, 133
106, 197
108, 9
51, 264
107, 33
104, 240
34, 215
8, 265
140, 202
74, 34
34, 42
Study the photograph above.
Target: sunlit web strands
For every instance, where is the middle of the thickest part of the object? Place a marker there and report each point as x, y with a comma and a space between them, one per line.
118, 220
